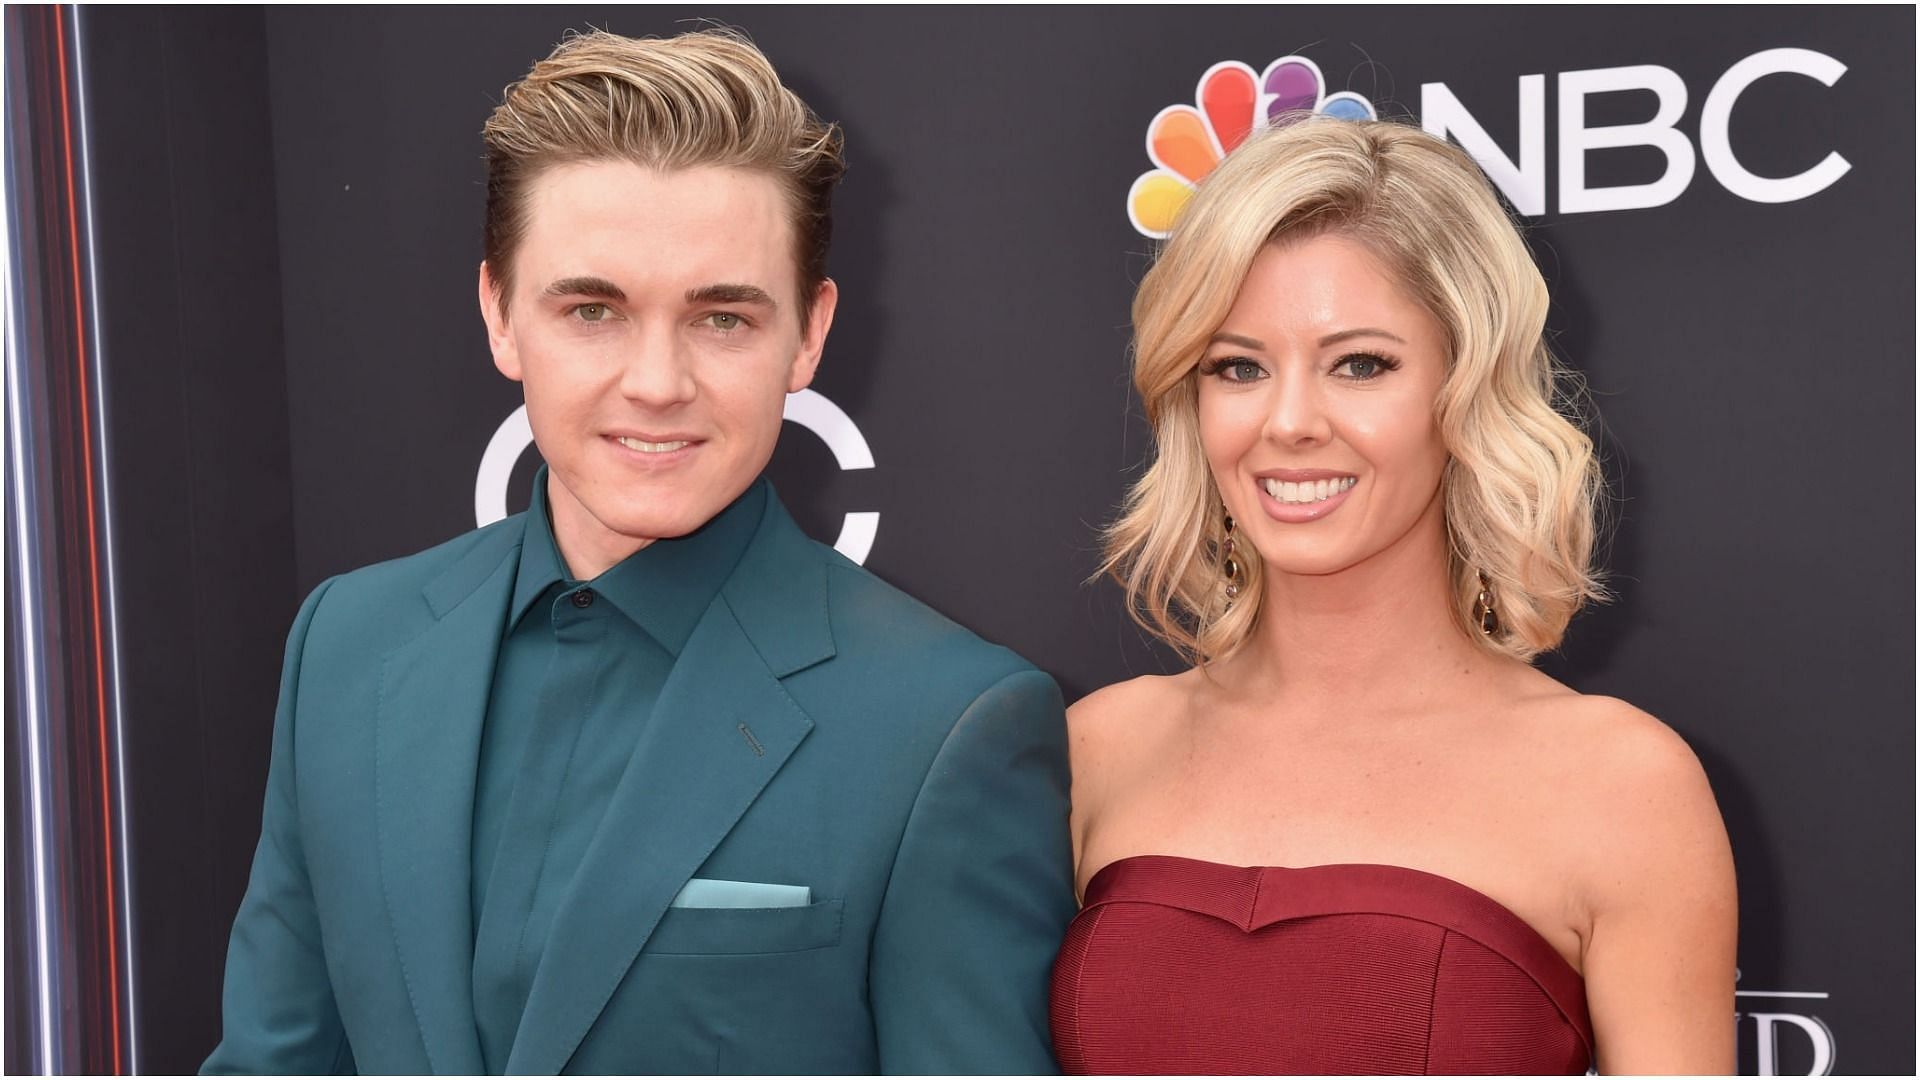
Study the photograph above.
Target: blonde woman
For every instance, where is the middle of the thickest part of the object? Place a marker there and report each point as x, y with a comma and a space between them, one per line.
1362, 833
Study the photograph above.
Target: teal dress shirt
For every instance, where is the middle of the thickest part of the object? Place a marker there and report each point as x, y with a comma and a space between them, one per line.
580, 668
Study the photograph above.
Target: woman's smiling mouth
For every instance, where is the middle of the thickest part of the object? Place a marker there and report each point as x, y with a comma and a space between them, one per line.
1309, 498
1307, 491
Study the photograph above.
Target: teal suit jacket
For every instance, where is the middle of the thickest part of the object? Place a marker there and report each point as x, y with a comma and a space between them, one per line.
820, 729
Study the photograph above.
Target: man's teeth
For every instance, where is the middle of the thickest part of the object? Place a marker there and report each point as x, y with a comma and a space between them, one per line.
651, 447
1307, 491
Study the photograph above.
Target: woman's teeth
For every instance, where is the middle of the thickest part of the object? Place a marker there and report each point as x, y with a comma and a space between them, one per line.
1307, 491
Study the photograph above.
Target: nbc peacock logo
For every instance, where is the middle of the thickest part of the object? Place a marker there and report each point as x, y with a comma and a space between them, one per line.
1185, 142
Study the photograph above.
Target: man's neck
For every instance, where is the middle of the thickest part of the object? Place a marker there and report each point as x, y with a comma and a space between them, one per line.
586, 546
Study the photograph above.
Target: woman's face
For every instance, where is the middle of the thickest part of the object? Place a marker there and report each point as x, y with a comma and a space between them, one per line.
1317, 408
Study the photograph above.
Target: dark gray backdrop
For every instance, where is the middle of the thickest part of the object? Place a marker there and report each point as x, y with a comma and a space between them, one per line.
289, 208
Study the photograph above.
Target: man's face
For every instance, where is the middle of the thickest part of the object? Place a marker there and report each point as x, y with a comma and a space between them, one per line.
656, 326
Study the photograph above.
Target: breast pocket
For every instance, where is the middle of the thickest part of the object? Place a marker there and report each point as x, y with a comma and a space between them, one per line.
695, 931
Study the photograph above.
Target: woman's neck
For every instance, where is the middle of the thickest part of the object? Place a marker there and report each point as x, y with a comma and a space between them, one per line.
1379, 634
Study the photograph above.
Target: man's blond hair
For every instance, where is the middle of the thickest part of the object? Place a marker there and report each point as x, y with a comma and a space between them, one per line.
703, 98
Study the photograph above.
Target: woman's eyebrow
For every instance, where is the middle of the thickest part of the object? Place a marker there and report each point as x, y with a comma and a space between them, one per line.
1237, 339
1331, 339
1363, 331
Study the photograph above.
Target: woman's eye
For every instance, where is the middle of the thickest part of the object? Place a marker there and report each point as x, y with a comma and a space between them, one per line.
1361, 367
1236, 370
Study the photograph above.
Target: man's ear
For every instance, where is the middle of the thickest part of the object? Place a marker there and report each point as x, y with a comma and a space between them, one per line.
494, 312
813, 336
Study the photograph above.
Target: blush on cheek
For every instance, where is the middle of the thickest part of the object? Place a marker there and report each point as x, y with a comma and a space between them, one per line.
1229, 426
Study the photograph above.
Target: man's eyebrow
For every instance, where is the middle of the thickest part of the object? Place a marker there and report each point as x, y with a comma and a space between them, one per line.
1362, 331
586, 286
730, 294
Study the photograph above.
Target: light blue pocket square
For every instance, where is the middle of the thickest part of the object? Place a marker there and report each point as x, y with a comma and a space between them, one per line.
713, 893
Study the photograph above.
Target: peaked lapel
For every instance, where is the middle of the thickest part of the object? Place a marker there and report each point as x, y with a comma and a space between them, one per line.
433, 705
721, 728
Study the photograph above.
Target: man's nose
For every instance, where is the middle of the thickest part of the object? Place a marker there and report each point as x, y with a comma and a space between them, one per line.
657, 372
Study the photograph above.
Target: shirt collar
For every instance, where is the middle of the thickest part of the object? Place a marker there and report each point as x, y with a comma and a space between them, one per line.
664, 587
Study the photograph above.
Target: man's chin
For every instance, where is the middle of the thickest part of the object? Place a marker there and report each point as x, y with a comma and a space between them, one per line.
651, 527
645, 510
659, 518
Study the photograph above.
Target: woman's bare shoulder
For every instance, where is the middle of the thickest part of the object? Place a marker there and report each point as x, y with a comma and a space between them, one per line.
1614, 742
1641, 800
1126, 700
1111, 727
1605, 738
1133, 713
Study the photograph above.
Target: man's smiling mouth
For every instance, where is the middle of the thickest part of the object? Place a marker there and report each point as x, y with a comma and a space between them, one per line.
652, 447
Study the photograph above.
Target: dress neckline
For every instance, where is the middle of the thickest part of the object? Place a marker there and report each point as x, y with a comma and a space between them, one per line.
1236, 895
1504, 912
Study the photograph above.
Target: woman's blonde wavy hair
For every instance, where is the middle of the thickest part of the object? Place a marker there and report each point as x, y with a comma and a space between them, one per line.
1521, 487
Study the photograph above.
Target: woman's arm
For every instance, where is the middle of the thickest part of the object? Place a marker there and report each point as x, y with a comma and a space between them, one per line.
1659, 888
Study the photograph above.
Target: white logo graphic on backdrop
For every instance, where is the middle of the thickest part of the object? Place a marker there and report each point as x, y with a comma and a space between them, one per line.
1771, 1028
1186, 142
1525, 182
808, 408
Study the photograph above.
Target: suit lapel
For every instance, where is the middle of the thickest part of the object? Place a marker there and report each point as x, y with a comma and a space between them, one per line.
720, 730
433, 705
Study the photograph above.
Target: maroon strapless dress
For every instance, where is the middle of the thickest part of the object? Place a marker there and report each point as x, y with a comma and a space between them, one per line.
1176, 965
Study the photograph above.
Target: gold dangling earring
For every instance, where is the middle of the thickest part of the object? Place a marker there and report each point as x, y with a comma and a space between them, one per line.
1483, 612
1229, 568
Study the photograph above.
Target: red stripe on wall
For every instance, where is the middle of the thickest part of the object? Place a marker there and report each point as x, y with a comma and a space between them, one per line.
93, 545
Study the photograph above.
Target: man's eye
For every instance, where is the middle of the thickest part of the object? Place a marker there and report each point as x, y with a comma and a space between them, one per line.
725, 321
591, 312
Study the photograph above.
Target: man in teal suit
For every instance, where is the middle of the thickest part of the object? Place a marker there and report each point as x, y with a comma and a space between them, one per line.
643, 780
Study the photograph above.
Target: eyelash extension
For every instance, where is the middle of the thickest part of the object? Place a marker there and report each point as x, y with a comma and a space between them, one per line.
1216, 366
1387, 363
